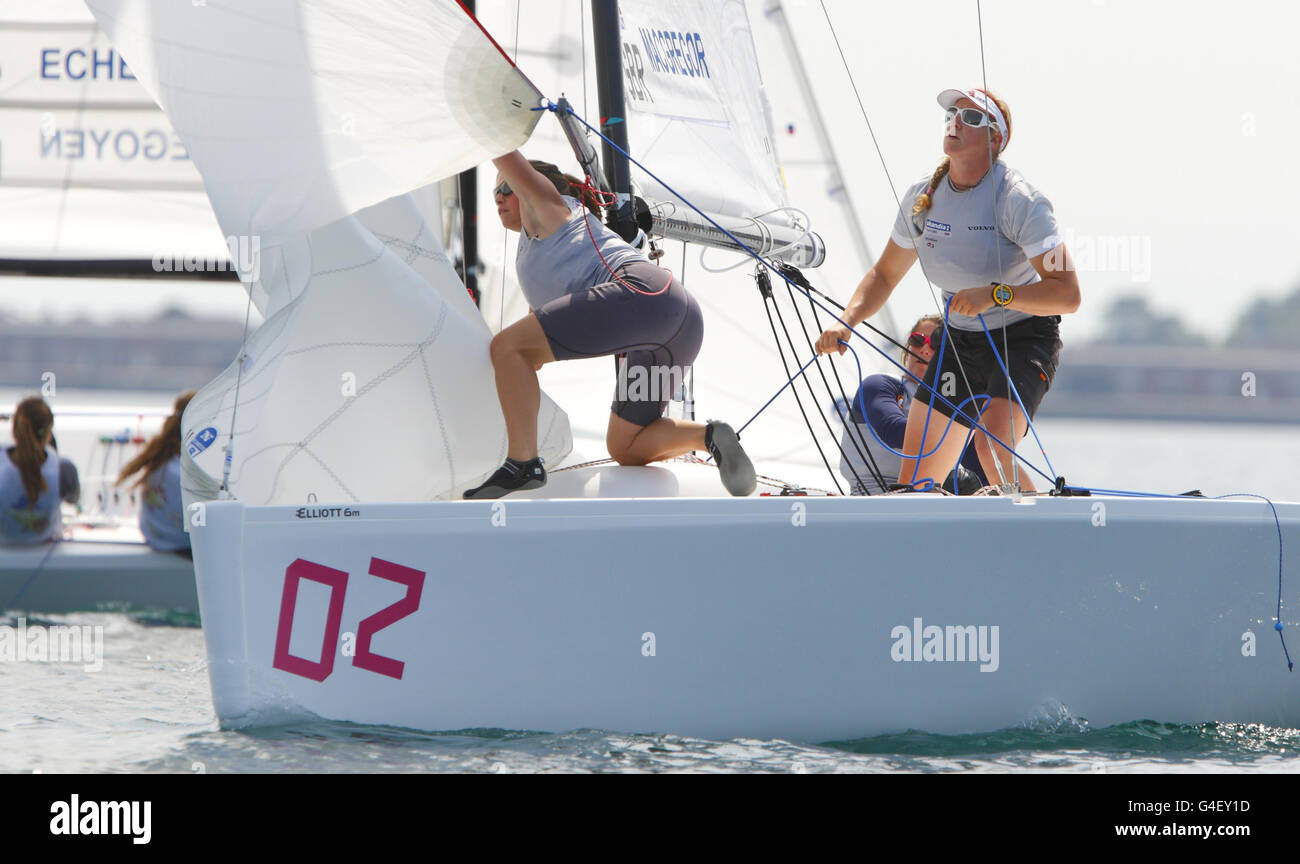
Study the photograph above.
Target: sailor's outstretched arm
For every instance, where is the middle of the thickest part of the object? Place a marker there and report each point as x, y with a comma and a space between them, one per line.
540, 206
870, 296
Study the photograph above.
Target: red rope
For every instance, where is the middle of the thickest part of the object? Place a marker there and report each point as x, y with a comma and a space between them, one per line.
600, 198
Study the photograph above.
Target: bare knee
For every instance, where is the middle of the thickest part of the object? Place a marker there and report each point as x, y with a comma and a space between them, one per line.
627, 455
626, 452
502, 347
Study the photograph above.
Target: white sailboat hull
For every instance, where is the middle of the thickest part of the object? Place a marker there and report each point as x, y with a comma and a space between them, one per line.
767, 617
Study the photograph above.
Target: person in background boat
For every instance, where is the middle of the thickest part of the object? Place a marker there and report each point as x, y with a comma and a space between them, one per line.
593, 295
162, 519
30, 474
883, 401
990, 241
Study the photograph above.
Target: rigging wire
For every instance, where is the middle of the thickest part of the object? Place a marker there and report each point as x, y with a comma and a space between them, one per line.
795, 390
505, 235
551, 106
868, 459
227, 463
898, 201
988, 131
856, 437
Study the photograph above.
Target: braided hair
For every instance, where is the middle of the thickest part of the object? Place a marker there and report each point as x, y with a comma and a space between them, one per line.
925, 199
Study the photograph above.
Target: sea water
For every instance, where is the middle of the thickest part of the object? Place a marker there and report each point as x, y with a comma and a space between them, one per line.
147, 707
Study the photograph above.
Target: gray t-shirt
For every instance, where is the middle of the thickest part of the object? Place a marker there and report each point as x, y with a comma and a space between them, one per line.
960, 248
567, 261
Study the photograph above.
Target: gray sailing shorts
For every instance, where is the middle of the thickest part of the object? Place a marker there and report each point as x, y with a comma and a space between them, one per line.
655, 335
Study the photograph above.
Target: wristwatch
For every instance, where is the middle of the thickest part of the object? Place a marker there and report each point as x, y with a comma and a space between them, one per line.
1002, 294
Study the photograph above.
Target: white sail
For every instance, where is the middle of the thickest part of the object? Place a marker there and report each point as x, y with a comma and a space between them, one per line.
309, 123
695, 102
90, 168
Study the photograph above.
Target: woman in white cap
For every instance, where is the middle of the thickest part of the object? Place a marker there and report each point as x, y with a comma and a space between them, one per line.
991, 242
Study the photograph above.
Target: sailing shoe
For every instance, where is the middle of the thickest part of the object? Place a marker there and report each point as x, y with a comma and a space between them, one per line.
513, 476
734, 466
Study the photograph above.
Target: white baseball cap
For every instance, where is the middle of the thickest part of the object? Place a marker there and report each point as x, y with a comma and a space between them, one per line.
948, 99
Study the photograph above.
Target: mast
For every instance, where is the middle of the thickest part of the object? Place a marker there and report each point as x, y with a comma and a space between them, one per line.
839, 193
467, 191
613, 114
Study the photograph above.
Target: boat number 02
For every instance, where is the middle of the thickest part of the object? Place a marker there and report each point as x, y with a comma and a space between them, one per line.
337, 582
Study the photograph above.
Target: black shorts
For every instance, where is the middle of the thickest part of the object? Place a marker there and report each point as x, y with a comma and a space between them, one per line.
656, 335
1034, 346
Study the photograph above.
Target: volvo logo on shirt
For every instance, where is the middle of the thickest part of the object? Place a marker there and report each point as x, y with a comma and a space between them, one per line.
979, 227
939, 227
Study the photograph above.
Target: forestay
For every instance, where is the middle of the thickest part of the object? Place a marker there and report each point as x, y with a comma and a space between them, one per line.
309, 123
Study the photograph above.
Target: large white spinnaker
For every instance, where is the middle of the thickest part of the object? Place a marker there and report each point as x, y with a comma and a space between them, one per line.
310, 122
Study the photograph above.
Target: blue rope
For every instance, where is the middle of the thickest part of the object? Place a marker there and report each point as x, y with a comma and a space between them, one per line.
862, 409
1277, 523
929, 405
774, 395
1016, 393
551, 106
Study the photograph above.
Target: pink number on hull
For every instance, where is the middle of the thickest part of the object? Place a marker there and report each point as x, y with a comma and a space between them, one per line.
337, 580
414, 581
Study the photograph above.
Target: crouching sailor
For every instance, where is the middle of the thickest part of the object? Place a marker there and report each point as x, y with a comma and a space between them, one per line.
29, 478
882, 403
592, 295
162, 521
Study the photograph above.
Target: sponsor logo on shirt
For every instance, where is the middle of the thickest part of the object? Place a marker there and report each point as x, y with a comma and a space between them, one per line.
939, 227
979, 227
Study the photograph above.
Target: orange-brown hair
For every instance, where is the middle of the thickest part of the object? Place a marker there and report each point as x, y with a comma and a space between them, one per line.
567, 184
33, 426
161, 447
923, 201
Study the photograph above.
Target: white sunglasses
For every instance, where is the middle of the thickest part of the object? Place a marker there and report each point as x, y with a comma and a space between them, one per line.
972, 117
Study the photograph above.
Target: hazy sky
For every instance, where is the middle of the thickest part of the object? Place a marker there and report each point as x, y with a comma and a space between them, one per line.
1164, 133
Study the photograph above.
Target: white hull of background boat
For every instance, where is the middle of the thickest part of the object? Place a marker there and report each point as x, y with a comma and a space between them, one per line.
800, 618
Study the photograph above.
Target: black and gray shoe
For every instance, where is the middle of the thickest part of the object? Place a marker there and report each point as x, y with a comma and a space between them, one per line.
733, 465
513, 476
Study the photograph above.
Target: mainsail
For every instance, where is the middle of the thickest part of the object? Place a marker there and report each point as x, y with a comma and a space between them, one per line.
310, 123
695, 101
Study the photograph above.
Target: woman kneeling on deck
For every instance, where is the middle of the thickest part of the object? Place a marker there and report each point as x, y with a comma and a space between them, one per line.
991, 242
593, 295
